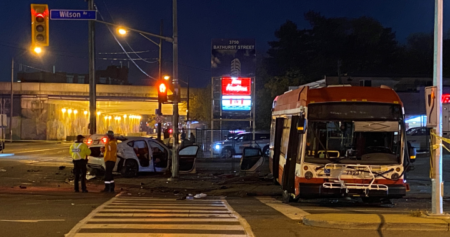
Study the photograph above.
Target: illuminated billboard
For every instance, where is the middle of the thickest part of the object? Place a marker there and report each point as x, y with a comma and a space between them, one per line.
236, 94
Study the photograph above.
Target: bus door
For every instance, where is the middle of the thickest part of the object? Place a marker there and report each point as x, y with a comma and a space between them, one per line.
290, 144
279, 125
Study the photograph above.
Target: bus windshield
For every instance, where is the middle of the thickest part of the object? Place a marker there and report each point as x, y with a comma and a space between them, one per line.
336, 138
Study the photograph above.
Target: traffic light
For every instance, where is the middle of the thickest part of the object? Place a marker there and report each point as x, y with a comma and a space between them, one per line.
162, 92
39, 25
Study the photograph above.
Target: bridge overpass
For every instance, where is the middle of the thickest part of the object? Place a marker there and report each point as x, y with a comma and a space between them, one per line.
52, 111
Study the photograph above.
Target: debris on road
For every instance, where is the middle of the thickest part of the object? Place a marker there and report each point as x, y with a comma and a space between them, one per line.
201, 195
2, 170
62, 167
89, 177
22, 187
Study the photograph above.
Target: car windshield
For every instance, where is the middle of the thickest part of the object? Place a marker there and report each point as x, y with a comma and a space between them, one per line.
336, 138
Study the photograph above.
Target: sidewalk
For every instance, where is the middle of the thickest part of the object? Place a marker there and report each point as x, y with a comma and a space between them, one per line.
377, 222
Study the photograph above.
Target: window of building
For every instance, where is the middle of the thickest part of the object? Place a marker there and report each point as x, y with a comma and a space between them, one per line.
103, 80
81, 79
69, 78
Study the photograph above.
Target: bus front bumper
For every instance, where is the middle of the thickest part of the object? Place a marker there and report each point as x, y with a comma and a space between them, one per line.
318, 191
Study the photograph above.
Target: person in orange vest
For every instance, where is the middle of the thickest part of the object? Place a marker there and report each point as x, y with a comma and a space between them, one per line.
110, 157
79, 152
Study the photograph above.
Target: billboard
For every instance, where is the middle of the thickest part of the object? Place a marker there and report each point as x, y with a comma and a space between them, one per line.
234, 62
233, 58
236, 86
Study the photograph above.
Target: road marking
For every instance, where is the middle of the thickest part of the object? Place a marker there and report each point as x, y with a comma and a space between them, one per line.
33, 221
292, 212
132, 216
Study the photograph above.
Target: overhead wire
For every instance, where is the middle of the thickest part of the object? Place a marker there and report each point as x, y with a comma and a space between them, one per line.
123, 49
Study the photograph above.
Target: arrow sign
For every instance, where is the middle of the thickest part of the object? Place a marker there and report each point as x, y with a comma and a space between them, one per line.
58, 14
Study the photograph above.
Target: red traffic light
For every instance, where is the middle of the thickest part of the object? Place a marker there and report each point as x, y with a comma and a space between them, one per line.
162, 88
162, 92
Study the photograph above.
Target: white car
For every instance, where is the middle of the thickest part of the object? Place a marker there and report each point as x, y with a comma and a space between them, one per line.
95, 142
141, 154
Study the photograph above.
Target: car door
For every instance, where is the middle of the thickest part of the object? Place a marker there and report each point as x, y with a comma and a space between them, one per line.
252, 160
187, 157
247, 141
160, 156
141, 150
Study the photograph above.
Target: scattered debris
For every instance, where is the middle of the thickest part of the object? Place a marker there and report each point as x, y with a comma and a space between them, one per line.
176, 192
62, 167
33, 171
22, 187
223, 187
73, 204
189, 197
201, 195
2, 170
129, 194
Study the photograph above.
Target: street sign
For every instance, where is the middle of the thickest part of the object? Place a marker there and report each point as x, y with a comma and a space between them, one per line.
59, 14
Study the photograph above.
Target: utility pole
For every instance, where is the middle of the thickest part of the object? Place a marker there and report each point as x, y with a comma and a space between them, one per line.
92, 82
175, 94
12, 102
160, 77
437, 185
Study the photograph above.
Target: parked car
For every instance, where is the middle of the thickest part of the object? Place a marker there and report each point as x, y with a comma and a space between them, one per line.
142, 154
419, 138
236, 145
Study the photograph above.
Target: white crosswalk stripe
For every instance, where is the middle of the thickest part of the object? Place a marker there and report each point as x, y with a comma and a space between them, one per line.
125, 216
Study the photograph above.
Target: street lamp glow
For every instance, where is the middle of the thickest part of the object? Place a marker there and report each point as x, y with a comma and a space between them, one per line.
109, 117
85, 112
37, 50
98, 113
63, 110
75, 112
124, 116
122, 31
166, 78
69, 111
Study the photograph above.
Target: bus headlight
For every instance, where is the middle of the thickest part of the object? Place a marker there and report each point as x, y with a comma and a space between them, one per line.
395, 176
308, 175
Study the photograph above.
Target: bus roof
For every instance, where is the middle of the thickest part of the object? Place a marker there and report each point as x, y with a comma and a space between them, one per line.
304, 96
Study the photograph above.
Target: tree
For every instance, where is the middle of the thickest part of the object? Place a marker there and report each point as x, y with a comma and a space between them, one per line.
200, 104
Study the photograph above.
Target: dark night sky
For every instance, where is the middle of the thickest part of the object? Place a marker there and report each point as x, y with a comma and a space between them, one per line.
199, 21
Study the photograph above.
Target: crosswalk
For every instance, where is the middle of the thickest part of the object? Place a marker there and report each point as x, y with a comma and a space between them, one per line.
148, 216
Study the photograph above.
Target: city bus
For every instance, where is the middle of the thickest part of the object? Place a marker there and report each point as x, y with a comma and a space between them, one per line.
340, 141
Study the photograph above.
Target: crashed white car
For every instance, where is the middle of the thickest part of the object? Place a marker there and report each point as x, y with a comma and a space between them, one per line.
141, 154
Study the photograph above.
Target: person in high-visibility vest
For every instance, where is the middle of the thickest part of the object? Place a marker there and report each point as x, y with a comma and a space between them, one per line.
110, 157
79, 152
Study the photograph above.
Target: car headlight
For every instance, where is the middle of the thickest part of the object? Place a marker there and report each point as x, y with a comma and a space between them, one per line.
308, 175
217, 146
395, 176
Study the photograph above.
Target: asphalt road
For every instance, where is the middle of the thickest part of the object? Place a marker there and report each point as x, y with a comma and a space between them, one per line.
46, 205
46, 214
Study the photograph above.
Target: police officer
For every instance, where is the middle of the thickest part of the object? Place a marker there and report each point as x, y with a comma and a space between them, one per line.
79, 152
110, 157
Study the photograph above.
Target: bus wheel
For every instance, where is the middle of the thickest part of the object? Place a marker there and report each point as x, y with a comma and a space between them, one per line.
287, 197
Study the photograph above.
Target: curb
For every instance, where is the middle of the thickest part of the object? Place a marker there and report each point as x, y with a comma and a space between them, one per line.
416, 223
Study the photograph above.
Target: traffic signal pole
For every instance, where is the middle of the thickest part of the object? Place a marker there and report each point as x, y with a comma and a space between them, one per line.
160, 78
437, 184
92, 83
175, 160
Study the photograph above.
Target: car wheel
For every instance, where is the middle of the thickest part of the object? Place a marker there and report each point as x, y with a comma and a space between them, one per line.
227, 152
130, 169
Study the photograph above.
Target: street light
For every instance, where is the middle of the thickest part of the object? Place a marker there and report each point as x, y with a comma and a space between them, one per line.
122, 31
166, 78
